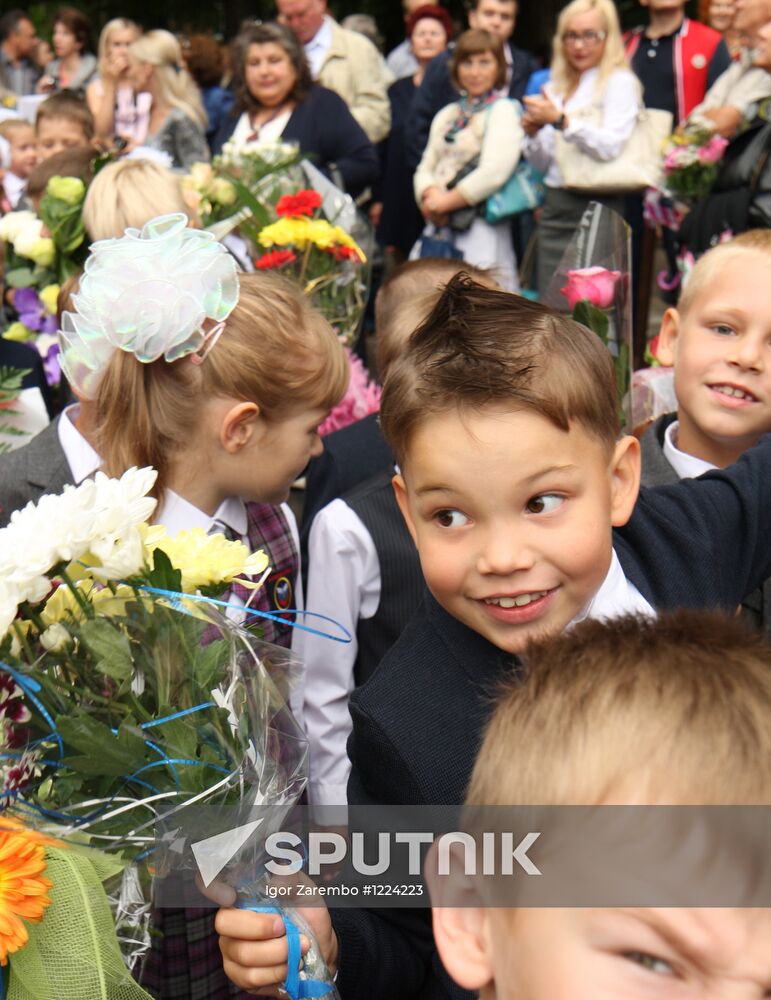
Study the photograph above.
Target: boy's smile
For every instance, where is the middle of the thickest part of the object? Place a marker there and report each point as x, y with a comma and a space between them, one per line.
721, 349
512, 518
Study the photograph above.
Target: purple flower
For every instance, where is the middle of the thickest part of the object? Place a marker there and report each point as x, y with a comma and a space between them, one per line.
31, 310
51, 365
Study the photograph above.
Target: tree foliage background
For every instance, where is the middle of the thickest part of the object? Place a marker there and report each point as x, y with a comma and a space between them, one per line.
536, 18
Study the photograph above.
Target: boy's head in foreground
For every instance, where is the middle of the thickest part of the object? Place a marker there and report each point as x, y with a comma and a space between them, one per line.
719, 340
632, 712
63, 121
503, 418
20, 136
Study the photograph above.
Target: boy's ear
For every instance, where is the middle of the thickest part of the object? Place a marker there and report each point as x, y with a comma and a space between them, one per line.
670, 328
625, 479
400, 489
238, 425
461, 925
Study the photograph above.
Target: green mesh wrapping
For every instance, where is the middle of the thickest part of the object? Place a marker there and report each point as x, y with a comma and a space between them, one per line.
73, 953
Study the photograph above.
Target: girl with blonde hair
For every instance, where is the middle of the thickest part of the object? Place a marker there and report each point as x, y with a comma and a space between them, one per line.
589, 69
117, 109
177, 117
127, 194
219, 381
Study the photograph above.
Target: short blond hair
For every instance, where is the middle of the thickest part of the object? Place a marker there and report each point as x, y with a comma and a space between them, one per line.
674, 710
116, 24
128, 194
10, 125
564, 77
753, 241
408, 295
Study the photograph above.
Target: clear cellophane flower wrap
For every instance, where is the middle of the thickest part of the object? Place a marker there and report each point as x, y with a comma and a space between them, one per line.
327, 251
221, 735
124, 706
593, 285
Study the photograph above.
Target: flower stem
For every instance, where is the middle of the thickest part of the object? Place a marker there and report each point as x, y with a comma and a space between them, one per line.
85, 606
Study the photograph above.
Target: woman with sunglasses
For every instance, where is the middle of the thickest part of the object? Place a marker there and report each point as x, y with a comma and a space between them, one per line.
589, 69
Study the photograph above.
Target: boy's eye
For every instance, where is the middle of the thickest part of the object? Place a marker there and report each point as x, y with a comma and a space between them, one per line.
650, 962
544, 503
723, 329
450, 518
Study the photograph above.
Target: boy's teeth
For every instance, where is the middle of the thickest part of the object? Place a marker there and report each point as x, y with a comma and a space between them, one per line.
730, 390
516, 602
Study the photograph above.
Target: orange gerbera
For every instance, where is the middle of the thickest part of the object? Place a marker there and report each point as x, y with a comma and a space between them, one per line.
23, 890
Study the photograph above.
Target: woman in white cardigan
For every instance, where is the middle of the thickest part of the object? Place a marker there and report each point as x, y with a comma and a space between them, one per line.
589, 69
484, 125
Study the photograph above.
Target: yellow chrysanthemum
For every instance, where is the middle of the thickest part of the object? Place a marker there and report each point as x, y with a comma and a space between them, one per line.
298, 233
49, 296
23, 889
62, 605
207, 560
18, 331
286, 232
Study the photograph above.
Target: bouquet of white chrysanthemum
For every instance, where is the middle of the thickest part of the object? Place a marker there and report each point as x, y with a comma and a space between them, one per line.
125, 698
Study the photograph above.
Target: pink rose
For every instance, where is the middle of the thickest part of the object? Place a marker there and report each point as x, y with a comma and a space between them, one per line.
597, 284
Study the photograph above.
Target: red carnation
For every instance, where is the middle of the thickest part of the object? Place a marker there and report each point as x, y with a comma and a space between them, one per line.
303, 203
275, 258
344, 253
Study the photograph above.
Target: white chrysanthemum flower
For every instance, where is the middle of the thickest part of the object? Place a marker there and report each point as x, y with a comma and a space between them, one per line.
13, 223
100, 518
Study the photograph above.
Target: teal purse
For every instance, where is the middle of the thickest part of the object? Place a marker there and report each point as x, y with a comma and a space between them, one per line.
522, 192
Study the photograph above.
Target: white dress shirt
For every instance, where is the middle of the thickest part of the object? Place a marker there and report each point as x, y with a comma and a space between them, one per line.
620, 102
685, 465
316, 49
81, 457
14, 187
344, 583
616, 596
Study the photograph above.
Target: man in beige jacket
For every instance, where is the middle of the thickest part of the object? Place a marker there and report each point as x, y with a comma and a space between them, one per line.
343, 61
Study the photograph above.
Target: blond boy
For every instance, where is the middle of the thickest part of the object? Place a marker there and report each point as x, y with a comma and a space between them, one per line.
20, 136
63, 121
637, 712
719, 341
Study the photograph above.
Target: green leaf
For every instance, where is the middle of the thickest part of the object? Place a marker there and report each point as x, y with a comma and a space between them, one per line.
179, 737
163, 575
106, 753
111, 647
592, 316
208, 667
19, 277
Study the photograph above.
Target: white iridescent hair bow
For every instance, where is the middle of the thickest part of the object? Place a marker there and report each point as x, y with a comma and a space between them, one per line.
149, 293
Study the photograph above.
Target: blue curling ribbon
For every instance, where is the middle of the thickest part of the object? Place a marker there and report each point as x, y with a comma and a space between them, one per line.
30, 686
298, 989
178, 597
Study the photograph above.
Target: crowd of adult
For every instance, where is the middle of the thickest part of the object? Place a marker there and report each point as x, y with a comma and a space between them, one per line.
427, 134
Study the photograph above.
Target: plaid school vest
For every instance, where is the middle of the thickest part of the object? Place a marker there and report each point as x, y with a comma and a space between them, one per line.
268, 529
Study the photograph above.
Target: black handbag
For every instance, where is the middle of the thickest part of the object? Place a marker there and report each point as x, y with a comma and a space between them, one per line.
462, 218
